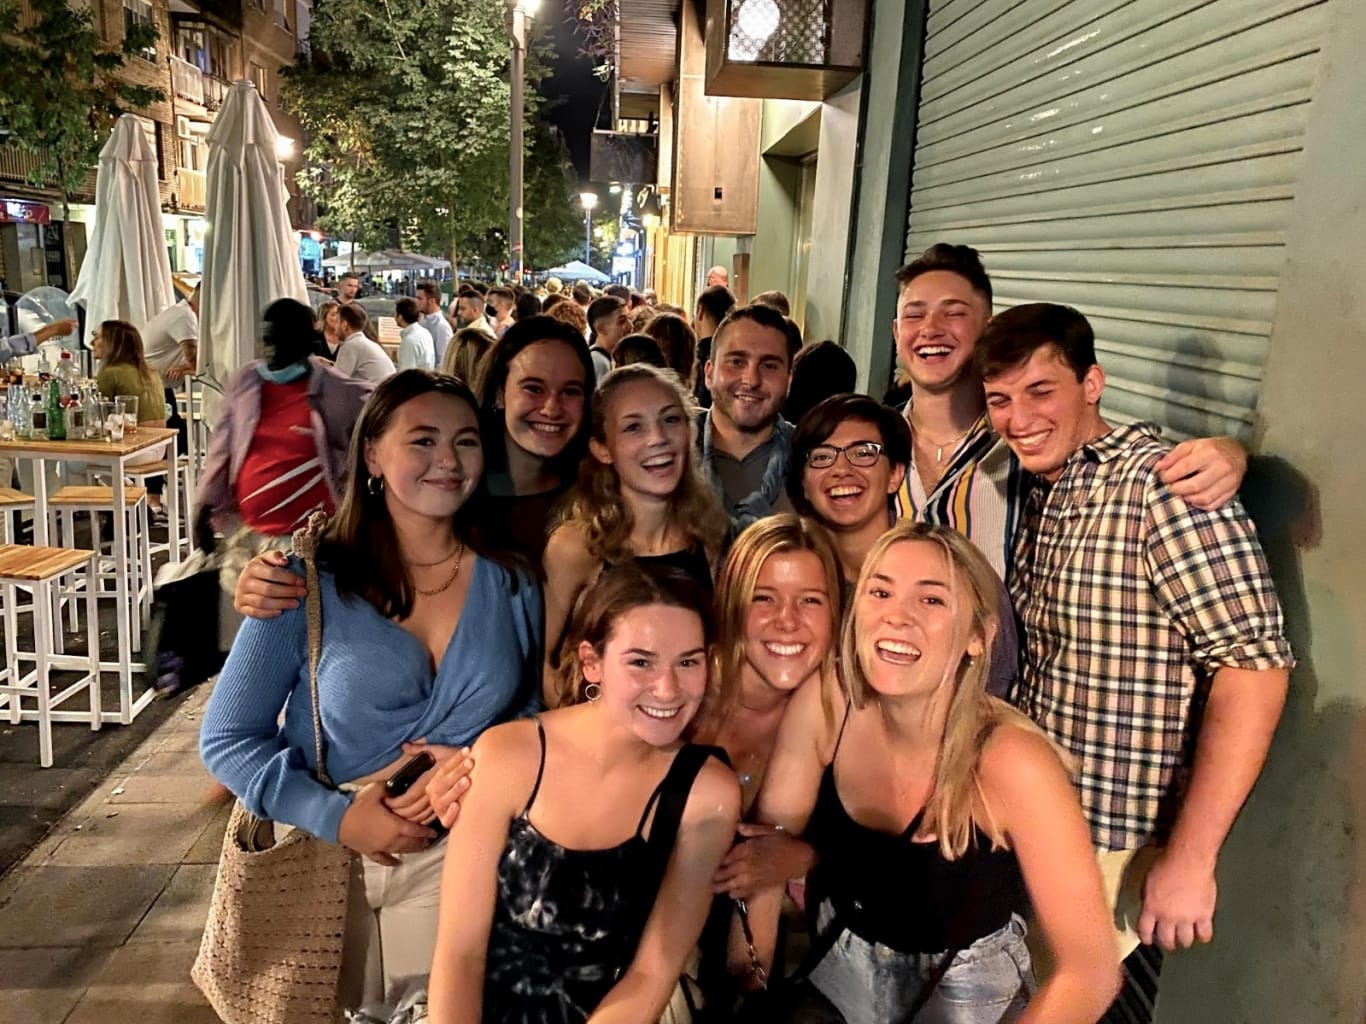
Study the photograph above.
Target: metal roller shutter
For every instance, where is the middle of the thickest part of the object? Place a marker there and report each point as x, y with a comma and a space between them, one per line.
1136, 159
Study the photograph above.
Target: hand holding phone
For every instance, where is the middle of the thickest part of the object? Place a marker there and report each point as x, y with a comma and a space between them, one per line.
416, 807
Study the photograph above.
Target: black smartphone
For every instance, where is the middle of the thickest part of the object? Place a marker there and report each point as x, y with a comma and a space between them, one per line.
412, 770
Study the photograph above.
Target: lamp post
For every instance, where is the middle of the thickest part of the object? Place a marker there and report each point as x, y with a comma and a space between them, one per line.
520, 14
589, 200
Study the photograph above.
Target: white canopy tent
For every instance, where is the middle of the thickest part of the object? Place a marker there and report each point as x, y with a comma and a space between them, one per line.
385, 259
126, 274
577, 270
251, 254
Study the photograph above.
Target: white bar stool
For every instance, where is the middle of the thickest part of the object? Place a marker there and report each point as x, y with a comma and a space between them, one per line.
139, 473
65, 505
12, 503
41, 570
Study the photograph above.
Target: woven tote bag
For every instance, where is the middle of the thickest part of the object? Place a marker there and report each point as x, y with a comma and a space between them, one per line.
272, 946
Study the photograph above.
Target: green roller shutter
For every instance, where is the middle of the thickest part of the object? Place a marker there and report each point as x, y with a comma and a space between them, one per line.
1136, 159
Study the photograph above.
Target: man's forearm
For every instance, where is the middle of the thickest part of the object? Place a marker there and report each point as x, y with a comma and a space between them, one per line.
1240, 718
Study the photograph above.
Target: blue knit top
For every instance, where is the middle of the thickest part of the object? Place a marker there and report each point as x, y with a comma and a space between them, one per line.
376, 689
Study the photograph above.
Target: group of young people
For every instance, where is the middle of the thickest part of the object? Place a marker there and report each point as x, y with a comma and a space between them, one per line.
657, 702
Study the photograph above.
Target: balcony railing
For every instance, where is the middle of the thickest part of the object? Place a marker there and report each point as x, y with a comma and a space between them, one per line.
16, 165
187, 81
215, 92
191, 188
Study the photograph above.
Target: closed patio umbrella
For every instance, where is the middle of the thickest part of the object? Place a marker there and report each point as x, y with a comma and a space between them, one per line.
126, 274
251, 254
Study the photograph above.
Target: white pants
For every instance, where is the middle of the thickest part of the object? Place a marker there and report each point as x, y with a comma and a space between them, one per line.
390, 926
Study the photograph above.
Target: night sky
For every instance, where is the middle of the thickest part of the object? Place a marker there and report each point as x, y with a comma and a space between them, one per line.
574, 97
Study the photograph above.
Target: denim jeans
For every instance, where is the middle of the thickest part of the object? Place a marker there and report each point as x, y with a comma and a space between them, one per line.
988, 982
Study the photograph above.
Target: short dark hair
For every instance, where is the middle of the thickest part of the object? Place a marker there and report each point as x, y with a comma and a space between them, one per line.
502, 292
1014, 335
819, 371
406, 311
962, 260
552, 300
776, 299
824, 419
638, 348
764, 316
352, 275
581, 293
619, 291
429, 288
605, 306
526, 307
716, 302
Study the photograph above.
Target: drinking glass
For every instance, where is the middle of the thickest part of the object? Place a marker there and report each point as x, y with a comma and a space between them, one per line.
130, 413
113, 423
6, 430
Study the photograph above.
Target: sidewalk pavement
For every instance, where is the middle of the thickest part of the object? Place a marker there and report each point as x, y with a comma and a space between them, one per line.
101, 922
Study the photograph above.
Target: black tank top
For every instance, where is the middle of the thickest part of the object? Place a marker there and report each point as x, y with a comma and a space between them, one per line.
889, 889
692, 560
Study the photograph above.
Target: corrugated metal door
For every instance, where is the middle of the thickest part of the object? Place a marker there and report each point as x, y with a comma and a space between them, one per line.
1136, 159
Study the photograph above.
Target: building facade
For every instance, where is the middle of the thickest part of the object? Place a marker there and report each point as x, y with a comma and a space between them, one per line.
201, 47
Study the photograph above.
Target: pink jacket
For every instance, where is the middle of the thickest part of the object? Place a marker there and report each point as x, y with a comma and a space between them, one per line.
336, 402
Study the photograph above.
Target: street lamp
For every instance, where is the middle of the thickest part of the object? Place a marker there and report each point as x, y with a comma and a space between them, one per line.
589, 200
520, 14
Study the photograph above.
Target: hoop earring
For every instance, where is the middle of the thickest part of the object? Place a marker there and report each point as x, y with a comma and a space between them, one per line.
591, 692
375, 485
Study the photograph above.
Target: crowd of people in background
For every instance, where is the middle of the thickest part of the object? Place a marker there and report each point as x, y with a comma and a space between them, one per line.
708, 649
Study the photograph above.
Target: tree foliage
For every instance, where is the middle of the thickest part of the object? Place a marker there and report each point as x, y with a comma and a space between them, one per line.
60, 90
407, 107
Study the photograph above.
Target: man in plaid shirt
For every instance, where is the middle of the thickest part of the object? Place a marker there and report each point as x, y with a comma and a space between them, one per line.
1153, 647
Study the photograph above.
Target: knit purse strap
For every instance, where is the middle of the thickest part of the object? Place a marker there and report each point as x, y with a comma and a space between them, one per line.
306, 547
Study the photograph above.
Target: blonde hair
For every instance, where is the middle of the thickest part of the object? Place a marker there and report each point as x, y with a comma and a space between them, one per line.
464, 357
956, 808
596, 502
774, 535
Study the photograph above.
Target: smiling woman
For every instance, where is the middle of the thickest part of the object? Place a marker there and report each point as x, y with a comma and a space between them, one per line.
639, 496
579, 870
430, 636
535, 403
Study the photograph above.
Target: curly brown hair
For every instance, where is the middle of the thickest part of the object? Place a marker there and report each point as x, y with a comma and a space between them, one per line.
596, 502
570, 313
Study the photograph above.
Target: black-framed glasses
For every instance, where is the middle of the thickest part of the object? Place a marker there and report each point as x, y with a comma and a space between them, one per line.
861, 453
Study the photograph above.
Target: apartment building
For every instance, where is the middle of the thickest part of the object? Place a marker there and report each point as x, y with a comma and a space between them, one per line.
202, 46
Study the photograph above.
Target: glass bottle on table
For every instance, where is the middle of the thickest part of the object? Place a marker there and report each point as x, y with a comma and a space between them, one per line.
56, 421
37, 417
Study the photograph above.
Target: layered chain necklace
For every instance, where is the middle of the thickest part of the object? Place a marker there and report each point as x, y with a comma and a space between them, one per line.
458, 554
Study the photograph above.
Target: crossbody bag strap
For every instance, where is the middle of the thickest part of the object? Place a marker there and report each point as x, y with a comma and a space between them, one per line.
306, 547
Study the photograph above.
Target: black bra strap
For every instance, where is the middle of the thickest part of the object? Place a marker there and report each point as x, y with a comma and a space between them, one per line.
848, 707
540, 769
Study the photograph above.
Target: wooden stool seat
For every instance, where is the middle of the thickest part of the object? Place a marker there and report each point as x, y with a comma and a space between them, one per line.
86, 497
10, 498
146, 468
26, 562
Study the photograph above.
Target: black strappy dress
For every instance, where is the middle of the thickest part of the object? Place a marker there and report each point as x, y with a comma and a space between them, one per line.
567, 922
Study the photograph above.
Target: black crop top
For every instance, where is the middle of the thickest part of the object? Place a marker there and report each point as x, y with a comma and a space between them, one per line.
903, 894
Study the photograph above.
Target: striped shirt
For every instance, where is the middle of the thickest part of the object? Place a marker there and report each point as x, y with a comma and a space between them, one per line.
980, 494
1131, 600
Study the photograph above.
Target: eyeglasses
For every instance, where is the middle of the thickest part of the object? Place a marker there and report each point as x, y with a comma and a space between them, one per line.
861, 453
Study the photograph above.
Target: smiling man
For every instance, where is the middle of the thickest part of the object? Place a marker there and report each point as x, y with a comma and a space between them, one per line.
1153, 643
961, 475
744, 439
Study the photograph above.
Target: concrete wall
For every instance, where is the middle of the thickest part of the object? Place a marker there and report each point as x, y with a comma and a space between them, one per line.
833, 205
780, 182
1290, 942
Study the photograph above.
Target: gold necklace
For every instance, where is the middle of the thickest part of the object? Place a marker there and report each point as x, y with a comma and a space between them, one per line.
439, 561
939, 446
449, 579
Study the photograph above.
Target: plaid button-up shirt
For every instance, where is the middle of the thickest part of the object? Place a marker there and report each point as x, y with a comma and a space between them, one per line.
1130, 601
